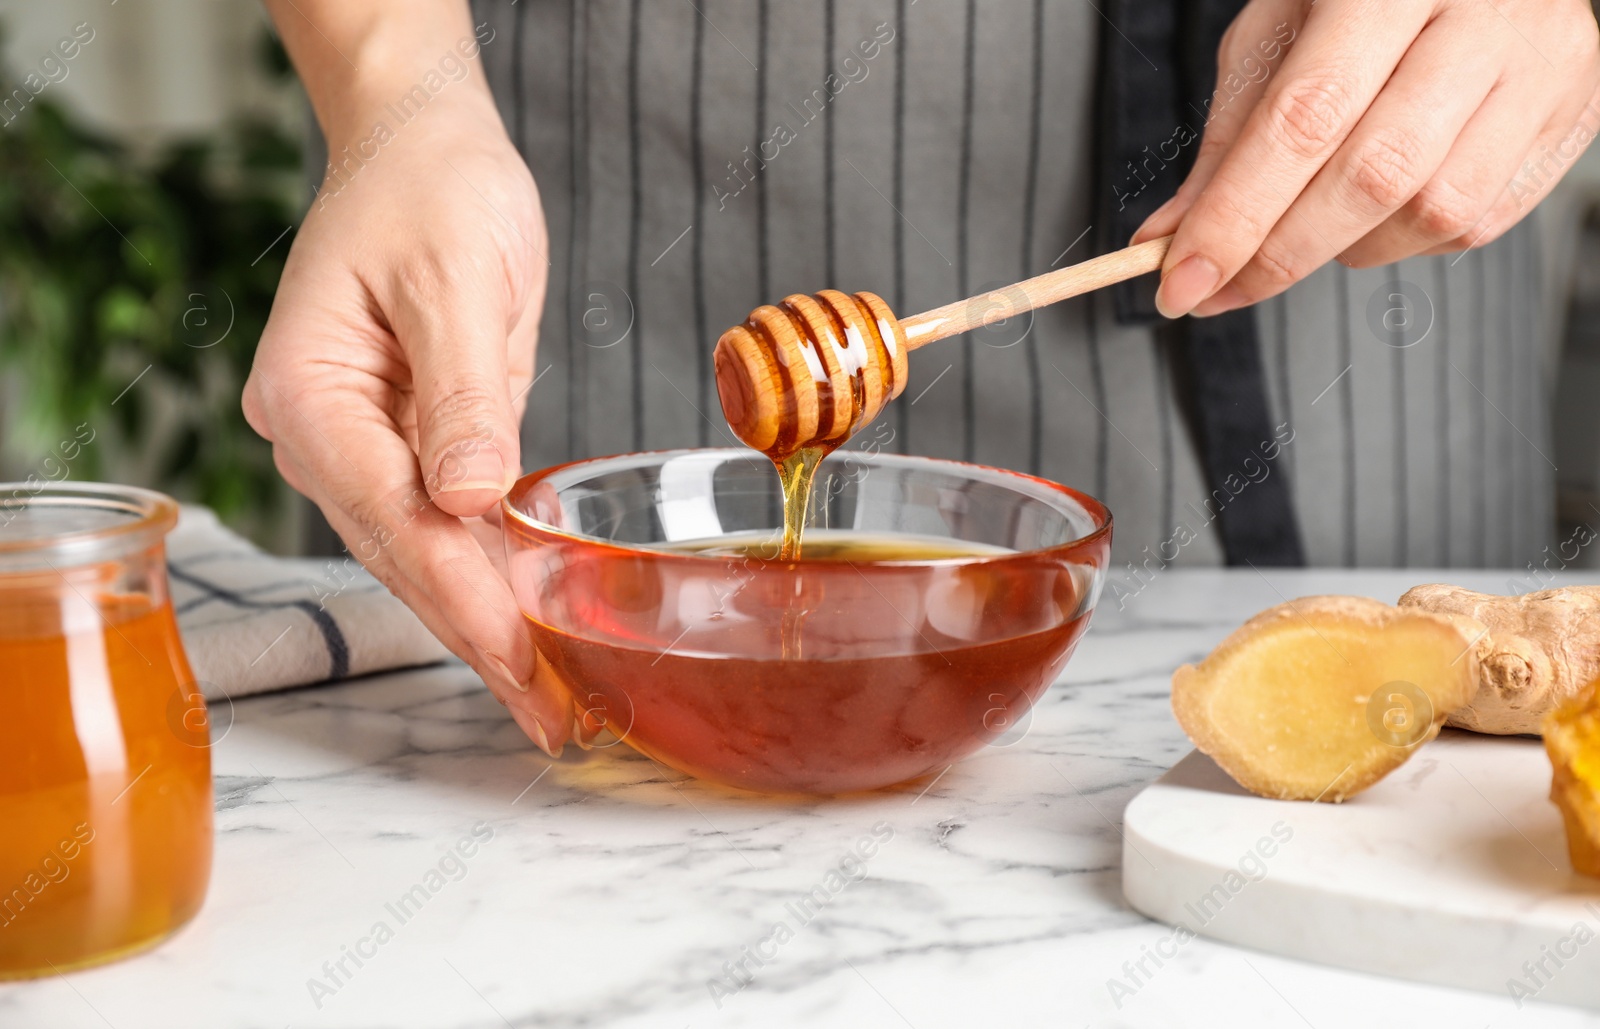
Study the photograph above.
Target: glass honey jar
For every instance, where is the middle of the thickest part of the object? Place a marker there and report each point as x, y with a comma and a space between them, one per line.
105, 771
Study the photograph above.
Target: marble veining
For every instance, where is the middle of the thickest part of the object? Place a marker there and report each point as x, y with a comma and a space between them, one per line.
402, 820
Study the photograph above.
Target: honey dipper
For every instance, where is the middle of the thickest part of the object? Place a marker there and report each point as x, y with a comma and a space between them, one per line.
811, 369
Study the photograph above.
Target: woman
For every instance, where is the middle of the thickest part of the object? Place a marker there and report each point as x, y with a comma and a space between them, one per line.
697, 159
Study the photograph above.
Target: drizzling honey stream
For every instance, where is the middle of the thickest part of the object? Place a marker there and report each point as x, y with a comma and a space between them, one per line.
797, 380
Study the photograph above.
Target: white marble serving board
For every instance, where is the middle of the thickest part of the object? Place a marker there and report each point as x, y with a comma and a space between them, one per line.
1453, 870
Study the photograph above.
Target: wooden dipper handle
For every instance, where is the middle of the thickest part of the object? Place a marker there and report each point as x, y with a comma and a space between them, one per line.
1039, 291
811, 370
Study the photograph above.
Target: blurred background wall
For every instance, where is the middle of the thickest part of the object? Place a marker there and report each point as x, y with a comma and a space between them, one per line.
157, 69
150, 179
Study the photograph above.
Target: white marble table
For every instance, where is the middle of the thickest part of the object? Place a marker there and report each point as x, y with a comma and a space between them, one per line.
601, 892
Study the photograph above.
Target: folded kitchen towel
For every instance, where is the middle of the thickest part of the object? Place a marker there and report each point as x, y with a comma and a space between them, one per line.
252, 622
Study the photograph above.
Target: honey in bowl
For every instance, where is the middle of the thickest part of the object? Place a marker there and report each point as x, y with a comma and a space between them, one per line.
105, 775
825, 715
934, 604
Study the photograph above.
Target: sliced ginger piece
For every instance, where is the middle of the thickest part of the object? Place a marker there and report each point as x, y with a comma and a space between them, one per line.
1319, 698
1572, 736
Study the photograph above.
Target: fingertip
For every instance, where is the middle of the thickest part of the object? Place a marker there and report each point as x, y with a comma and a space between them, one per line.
498, 676
470, 477
1162, 221
536, 731
558, 730
1153, 228
1186, 285
470, 502
586, 725
542, 714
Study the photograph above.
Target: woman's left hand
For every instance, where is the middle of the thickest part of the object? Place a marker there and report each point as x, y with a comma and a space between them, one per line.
1388, 128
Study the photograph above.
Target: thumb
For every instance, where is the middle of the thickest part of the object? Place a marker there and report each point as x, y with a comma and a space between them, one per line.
467, 441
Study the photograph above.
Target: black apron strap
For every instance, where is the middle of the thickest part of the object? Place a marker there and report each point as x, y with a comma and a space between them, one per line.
1158, 67
1140, 105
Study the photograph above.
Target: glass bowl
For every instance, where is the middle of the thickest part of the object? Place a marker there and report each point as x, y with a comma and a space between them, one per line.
647, 584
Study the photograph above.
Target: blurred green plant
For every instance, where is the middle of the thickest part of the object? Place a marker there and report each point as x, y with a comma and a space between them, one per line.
119, 268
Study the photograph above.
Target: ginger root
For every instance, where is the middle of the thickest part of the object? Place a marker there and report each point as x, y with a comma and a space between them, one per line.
1319, 698
1572, 737
1534, 652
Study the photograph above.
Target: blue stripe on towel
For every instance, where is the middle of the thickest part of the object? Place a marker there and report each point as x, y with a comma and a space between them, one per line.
338, 649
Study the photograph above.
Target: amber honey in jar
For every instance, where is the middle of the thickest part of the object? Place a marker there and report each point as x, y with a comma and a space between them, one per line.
105, 771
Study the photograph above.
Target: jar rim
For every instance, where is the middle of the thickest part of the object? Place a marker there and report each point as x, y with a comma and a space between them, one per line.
136, 519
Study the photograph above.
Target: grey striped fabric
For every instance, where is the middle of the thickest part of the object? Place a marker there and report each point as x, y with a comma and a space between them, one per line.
699, 157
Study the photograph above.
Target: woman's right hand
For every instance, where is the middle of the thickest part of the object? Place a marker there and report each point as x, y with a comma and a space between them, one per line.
395, 366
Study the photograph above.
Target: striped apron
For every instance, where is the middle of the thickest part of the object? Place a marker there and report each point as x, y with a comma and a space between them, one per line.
697, 158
